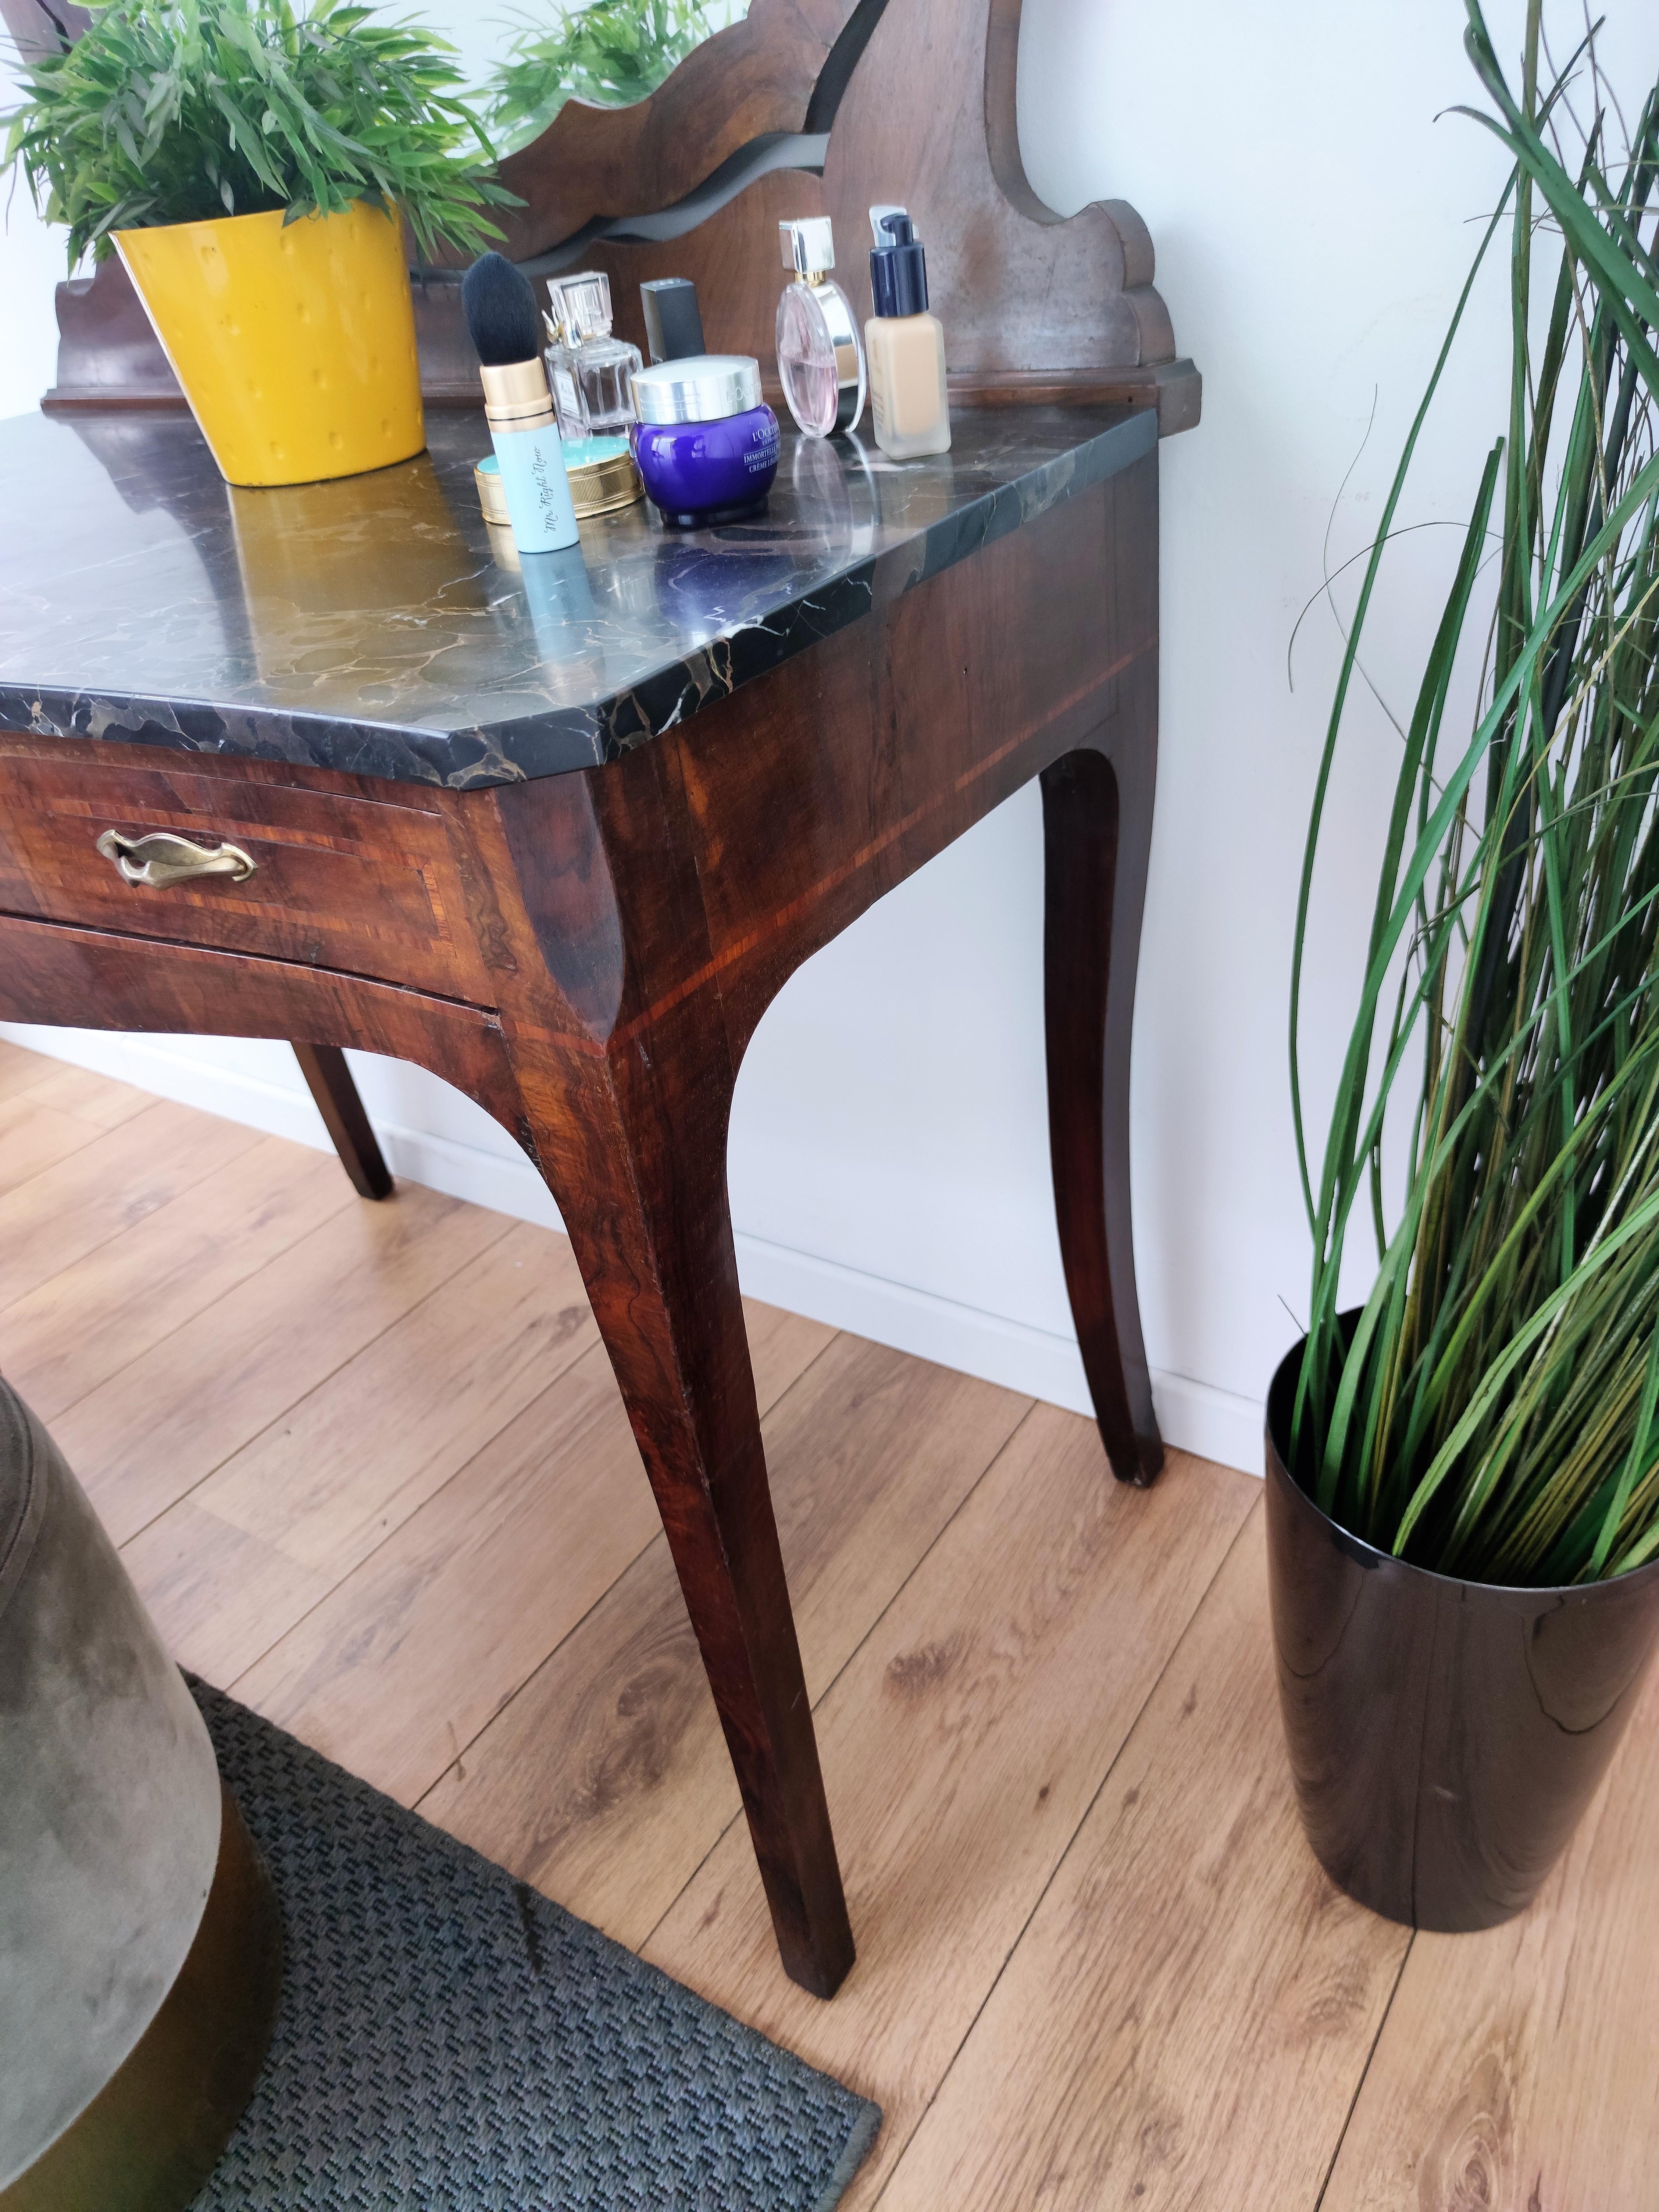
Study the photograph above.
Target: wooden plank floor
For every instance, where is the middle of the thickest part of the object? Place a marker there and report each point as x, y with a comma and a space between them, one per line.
369, 1468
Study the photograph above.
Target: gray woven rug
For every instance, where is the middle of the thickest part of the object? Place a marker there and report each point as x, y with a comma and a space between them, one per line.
449, 2041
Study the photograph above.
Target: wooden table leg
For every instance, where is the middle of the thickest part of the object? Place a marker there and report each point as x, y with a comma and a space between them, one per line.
1097, 824
329, 1079
636, 1153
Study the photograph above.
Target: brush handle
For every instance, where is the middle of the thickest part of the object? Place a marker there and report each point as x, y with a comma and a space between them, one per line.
536, 488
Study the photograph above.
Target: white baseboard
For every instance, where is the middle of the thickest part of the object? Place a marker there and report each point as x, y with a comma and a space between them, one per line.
149, 1065
1194, 1416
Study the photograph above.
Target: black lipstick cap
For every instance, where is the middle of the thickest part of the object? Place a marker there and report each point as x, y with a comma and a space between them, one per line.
673, 326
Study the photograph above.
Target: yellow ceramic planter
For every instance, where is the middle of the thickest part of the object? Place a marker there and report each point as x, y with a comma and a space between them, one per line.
295, 342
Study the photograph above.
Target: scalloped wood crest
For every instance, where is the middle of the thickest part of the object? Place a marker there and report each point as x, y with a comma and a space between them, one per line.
753, 80
918, 97
1020, 289
1034, 305
38, 26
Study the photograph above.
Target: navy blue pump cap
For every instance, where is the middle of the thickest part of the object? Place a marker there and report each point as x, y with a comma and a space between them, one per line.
898, 264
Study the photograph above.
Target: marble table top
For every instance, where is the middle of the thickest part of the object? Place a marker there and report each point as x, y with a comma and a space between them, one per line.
366, 625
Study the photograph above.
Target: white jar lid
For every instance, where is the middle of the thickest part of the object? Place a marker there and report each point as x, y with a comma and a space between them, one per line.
703, 387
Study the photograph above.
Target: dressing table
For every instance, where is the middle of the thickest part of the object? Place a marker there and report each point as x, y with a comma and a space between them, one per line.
322, 764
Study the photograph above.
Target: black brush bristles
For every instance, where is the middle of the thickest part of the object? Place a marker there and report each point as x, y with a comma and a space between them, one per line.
501, 312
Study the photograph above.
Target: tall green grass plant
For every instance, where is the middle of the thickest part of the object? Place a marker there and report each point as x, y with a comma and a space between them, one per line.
1494, 1414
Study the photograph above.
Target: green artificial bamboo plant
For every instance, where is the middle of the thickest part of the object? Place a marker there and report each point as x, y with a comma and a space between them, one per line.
611, 52
182, 111
1494, 1414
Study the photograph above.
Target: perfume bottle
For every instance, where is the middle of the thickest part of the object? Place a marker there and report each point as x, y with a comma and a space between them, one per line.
559, 357
820, 355
906, 344
602, 366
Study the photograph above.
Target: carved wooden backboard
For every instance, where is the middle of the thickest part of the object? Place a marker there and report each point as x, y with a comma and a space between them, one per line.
803, 108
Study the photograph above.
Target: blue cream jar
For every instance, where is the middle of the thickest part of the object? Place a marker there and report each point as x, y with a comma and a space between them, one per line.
706, 443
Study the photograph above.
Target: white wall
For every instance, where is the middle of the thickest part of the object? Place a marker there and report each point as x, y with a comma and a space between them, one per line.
889, 1151
31, 263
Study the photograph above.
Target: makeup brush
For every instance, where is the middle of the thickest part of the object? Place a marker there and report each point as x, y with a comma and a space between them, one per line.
501, 312
501, 315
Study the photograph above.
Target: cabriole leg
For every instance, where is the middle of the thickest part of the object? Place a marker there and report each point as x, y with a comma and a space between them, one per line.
1097, 831
636, 1156
329, 1080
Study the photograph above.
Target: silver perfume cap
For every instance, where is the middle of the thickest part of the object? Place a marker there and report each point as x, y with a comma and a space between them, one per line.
581, 304
705, 387
809, 245
556, 315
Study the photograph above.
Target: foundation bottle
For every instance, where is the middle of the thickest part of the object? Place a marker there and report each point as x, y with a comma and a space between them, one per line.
904, 344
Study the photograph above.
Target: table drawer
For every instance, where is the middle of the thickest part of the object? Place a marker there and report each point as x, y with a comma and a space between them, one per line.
338, 881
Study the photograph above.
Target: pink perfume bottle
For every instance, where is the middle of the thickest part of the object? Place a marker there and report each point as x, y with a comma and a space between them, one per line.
820, 353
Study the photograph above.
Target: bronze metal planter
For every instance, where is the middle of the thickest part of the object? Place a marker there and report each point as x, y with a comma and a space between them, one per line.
152, 2135
1445, 1736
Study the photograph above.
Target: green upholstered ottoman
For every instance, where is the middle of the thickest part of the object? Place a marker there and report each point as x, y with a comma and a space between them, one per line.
139, 1948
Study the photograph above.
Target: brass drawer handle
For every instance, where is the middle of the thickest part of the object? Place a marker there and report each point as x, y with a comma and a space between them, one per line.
163, 857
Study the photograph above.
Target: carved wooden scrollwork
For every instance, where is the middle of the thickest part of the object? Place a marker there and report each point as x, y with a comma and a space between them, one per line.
917, 98
1035, 305
753, 81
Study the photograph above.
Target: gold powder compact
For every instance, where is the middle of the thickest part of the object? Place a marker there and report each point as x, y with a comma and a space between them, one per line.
602, 479
492, 493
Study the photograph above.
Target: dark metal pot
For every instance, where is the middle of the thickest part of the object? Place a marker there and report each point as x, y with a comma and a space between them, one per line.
1445, 1736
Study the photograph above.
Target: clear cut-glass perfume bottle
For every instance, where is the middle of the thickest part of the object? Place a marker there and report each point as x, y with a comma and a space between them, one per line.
602, 367
559, 357
820, 353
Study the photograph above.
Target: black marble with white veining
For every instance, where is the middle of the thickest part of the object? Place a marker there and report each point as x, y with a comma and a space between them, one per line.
366, 625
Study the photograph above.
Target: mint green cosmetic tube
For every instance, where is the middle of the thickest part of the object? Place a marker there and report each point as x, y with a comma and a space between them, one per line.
518, 409
536, 488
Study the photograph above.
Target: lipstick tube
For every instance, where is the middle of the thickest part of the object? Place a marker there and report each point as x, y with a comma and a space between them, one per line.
518, 408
